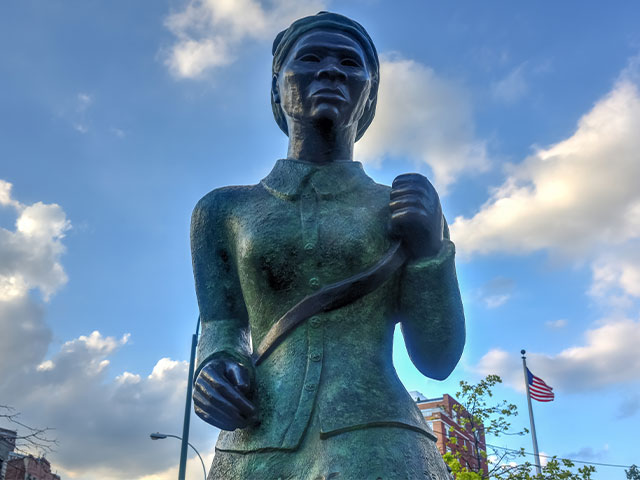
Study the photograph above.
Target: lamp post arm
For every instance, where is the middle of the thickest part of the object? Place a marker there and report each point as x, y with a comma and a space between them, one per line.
204, 469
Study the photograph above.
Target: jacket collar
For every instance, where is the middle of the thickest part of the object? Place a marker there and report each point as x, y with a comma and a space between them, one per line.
290, 177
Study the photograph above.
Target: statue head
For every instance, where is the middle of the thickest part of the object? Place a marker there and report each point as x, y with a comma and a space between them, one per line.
333, 65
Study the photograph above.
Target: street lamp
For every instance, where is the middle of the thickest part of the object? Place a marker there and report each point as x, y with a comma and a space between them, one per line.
187, 408
162, 436
182, 470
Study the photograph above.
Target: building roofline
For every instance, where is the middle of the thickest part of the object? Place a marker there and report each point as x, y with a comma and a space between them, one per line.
5, 432
425, 400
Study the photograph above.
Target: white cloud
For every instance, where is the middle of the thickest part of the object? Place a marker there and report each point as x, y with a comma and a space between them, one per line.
573, 197
98, 420
544, 458
425, 118
209, 32
84, 101
617, 274
22, 324
496, 292
609, 356
5, 195
194, 468
512, 87
495, 301
30, 254
557, 324
29, 259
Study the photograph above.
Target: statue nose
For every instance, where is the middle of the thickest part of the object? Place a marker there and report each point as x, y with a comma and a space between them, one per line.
332, 72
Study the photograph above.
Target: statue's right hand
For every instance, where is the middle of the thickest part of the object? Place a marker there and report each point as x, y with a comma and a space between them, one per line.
220, 395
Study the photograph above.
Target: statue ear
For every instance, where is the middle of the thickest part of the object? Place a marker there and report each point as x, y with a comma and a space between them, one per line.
274, 88
373, 93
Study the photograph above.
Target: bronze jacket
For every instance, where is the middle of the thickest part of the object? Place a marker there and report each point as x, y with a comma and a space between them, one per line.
257, 250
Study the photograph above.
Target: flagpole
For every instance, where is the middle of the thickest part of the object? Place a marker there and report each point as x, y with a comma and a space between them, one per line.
533, 425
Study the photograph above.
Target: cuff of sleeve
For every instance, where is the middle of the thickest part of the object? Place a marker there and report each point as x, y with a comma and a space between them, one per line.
222, 337
429, 283
445, 255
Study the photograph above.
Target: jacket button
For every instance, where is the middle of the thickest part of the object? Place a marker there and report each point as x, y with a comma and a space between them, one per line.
308, 247
315, 322
314, 282
310, 387
316, 357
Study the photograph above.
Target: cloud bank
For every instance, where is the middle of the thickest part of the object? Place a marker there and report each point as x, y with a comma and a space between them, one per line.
209, 32
573, 197
608, 356
30, 254
422, 117
102, 423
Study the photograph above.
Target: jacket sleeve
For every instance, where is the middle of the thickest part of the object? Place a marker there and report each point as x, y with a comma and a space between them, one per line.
223, 315
431, 313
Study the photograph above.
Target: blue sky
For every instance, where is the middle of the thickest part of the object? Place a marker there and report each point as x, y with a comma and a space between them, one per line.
115, 118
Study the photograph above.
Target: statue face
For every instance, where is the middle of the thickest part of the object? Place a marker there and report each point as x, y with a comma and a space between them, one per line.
325, 77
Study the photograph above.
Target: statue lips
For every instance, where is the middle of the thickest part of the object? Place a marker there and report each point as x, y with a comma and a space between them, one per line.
329, 94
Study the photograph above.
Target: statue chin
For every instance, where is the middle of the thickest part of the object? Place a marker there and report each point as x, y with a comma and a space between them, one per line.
324, 123
327, 113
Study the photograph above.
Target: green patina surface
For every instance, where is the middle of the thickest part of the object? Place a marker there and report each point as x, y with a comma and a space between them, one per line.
330, 403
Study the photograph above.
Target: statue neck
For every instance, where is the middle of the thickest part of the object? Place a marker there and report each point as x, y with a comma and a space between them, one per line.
320, 143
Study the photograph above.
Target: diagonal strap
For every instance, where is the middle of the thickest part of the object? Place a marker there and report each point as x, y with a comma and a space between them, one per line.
331, 297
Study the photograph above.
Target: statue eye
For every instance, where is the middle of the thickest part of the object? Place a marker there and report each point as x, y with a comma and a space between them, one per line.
350, 62
309, 57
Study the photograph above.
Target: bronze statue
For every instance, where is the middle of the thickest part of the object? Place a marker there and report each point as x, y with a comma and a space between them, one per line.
301, 279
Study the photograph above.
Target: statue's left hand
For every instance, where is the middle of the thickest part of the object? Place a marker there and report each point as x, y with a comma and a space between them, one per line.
416, 215
221, 394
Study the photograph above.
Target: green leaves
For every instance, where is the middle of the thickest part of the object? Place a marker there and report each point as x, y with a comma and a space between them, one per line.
479, 413
633, 473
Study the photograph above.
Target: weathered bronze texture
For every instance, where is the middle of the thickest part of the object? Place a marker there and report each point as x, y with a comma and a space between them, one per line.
315, 395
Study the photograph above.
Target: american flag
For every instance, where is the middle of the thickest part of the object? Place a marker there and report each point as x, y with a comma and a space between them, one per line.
538, 390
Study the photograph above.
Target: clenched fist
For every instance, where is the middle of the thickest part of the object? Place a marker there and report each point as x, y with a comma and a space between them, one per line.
416, 215
221, 394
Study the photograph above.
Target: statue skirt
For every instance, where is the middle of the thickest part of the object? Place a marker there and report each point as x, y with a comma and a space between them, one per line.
375, 452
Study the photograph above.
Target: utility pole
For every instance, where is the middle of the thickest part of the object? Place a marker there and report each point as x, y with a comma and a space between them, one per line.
187, 409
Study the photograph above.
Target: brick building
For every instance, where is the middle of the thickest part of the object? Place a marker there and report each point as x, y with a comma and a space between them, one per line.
446, 423
28, 467
15, 466
7, 445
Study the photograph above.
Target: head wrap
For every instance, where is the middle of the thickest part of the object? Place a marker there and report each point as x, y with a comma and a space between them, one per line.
326, 21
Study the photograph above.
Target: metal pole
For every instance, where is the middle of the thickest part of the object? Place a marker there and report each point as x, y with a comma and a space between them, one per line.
533, 425
187, 409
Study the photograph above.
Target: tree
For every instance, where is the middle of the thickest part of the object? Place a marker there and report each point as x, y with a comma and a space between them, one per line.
459, 472
555, 469
482, 415
633, 473
29, 438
